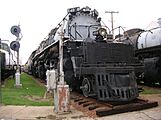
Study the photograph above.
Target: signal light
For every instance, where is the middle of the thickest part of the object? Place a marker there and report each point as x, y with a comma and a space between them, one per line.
15, 45
15, 30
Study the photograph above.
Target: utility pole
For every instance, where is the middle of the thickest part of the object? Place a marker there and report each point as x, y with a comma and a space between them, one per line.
111, 12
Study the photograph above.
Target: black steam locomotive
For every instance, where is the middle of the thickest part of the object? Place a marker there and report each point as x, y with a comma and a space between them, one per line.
92, 62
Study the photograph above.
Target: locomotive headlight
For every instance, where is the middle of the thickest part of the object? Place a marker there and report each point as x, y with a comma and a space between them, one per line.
102, 32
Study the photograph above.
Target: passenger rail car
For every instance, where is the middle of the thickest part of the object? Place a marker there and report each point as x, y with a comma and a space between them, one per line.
91, 62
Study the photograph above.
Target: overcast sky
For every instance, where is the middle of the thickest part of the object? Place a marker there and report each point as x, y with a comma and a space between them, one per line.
38, 17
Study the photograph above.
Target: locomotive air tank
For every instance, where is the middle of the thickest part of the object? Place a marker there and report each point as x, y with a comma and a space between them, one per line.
92, 63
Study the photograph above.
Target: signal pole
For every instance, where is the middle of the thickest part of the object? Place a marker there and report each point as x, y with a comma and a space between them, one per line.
61, 77
61, 93
15, 30
111, 12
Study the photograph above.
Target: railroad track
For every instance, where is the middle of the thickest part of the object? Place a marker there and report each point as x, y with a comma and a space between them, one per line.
93, 108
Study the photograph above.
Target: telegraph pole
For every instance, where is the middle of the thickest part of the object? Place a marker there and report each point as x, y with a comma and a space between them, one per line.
111, 12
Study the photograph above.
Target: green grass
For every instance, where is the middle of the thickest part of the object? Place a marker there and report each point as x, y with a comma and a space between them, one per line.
148, 90
18, 96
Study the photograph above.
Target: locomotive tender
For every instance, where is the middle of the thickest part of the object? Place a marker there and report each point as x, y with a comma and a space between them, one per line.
91, 61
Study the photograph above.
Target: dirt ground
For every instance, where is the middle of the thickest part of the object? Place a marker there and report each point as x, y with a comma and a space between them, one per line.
152, 97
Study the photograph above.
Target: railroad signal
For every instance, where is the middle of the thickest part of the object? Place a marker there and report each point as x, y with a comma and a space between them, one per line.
15, 45
15, 30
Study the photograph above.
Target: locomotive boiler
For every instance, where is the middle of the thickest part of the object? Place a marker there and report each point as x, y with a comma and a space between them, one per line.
147, 44
92, 63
